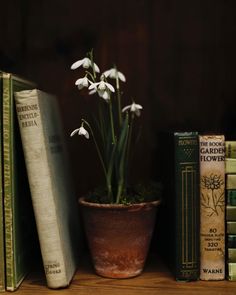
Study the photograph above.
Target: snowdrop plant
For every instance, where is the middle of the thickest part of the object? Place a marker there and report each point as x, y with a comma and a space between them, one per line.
114, 125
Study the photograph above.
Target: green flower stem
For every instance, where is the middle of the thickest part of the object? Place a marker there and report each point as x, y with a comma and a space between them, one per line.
91, 58
112, 123
97, 147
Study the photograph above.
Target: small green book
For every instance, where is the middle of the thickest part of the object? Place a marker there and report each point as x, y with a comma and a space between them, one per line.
231, 254
231, 181
230, 166
231, 197
231, 227
231, 241
230, 149
230, 213
231, 271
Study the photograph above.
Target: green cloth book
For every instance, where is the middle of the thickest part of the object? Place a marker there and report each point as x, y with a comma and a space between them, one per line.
231, 227
231, 271
230, 166
231, 255
18, 212
54, 200
230, 213
182, 197
231, 181
231, 241
231, 197
230, 149
2, 241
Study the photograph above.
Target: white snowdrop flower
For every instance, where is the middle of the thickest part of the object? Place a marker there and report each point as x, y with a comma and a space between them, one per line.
82, 82
80, 131
102, 86
85, 63
133, 108
114, 74
104, 94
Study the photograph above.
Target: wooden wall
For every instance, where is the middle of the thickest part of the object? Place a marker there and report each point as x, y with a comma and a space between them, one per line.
178, 57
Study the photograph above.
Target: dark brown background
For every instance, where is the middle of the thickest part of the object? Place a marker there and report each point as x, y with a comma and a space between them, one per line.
178, 57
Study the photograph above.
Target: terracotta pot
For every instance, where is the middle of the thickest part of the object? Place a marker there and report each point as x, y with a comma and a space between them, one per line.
119, 236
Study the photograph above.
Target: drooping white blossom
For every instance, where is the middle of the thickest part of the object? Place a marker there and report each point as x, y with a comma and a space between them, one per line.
133, 108
80, 131
85, 63
102, 88
114, 74
82, 82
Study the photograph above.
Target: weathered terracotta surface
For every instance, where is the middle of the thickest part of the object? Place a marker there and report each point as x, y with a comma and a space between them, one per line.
119, 236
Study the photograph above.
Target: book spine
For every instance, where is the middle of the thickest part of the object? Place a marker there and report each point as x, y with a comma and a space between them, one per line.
7, 177
230, 149
212, 208
187, 206
231, 254
2, 242
230, 166
231, 197
231, 241
36, 151
231, 181
231, 271
231, 227
231, 213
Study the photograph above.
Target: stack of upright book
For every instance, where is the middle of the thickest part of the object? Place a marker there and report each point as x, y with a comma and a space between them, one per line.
230, 170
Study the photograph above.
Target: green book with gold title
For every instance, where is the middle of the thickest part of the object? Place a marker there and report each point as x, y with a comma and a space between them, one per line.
18, 212
2, 245
182, 199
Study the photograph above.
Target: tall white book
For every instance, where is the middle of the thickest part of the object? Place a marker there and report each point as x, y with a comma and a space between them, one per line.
54, 201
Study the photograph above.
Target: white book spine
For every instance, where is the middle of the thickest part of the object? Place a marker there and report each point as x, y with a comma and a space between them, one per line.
36, 154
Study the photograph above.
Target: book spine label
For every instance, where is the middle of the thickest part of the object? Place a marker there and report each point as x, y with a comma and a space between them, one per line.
187, 206
212, 208
36, 150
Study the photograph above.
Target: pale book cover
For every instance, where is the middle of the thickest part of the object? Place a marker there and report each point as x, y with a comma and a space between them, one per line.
212, 207
54, 201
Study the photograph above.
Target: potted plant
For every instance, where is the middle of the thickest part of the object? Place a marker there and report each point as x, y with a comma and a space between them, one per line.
118, 220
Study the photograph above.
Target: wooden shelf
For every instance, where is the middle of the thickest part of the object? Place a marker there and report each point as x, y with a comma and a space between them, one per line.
156, 279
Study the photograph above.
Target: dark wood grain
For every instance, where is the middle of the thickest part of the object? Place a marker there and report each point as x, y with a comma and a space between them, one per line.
156, 279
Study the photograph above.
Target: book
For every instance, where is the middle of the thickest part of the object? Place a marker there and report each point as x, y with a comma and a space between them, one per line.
231, 213
230, 166
231, 181
230, 149
231, 271
231, 254
54, 201
2, 246
18, 213
212, 208
231, 241
231, 197
182, 185
231, 227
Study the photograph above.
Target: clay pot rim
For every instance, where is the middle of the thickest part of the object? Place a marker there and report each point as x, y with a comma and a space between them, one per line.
83, 202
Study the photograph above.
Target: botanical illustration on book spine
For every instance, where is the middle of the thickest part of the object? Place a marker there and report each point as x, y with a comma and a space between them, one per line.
212, 207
